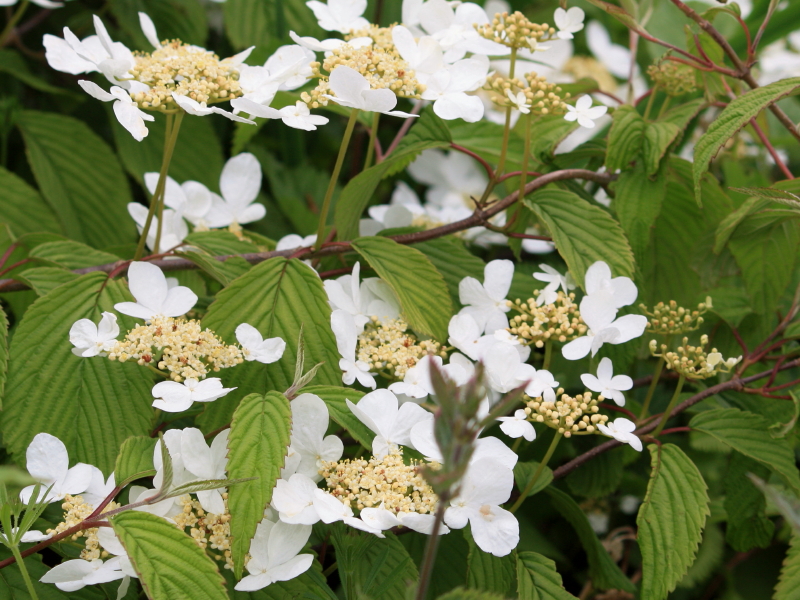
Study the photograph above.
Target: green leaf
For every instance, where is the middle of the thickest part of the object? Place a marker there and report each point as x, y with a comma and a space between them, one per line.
462, 594
452, 259
638, 203
582, 233
523, 471
748, 527
661, 134
135, 459
624, 138
429, 132
276, 297
488, 572
781, 430
169, 563
601, 480
44, 280
765, 247
547, 132
709, 558
604, 572
788, 587
735, 116
14, 64
51, 390
538, 579
777, 195
420, 288
267, 22
257, 448
748, 433
12, 585
24, 210
670, 520
334, 398
222, 271
373, 567
311, 585
80, 178
618, 13
181, 19
72, 255
787, 505
3, 352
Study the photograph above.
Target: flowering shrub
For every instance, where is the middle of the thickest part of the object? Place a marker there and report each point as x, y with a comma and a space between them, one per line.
485, 303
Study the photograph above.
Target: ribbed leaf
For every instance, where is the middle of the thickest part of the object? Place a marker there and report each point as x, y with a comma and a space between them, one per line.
373, 567
419, 286
311, 585
488, 572
638, 203
625, 137
170, 564
334, 398
44, 280
661, 134
601, 480
276, 297
135, 459
748, 526
24, 210
537, 578
266, 22
72, 255
3, 352
748, 433
462, 594
547, 132
604, 572
709, 558
182, 19
257, 447
80, 177
523, 471
788, 587
582, 233
735, 116
222, 271
52, 390
670, 520
452, 259
14, 64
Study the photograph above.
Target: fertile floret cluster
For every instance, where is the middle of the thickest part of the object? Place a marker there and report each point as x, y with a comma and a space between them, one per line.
533, 91
386, 481
210, 531
515, 30
75, 511
578, 415
389, 347
186, 70
673, 78
182, 348
559, 321
693, 362
668, 319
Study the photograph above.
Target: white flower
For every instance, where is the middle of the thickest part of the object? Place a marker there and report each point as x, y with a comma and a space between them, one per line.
554, 280
568, 22
606, 384
110, 543
29, 537
379, 411
274, 555
310, 421
518, 426
128, 113
328, 45
372, 298
505, 371
598, 312
484, 488
73, 575
201, 109
616, 58
424, 56
400, 211
287, 69
173, 397
454, 29
173, 228
583, 112
344, 328
598, 279
292, 241
383, 519
48, 463
330, 510
206, 462
94, 340
486, 302
622, 430
153, 295
255, 347
447, 88
94, 53
99, 488
297, 116
465, 334
454, 178
519, 101
239, 184
417, 381
293, 498
352, 89
715, 358
42, 3
340, 15
191, 199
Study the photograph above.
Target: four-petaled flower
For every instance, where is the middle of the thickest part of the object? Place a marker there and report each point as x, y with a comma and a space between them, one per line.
622, 430
519, 101
568, 22
608, 384
518, 426
171, 396
584, 113
153, 294
486, 302
94, 340
352, 89
48, 463
274, 555
255, 347
554, 280
379, 411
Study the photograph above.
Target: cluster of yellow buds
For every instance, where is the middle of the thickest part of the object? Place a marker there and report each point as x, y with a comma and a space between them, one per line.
388, 346
186, 350
569, 415
693, 362
75, 511
582, 67
386, 481
669, 319
515, 30
209, 531
533, 92
673, 78
187, 70
559, 322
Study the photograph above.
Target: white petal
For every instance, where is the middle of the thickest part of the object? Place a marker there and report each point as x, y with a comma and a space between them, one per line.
240, 181
149, 30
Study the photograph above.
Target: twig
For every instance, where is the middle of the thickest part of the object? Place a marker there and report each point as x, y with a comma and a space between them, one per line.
477, 157
400, 134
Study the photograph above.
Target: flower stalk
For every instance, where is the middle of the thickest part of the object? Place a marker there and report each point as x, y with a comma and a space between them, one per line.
373, 134
671, 406
538, 473
8, 30
651, 390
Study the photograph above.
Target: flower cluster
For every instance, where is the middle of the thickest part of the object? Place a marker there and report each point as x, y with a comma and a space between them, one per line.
569, 415
670, 319
537, 323
387, 346
673, 78
533, 93
694, 362
515, 30
211, 531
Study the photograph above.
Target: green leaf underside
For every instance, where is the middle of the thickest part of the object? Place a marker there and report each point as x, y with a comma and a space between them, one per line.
257, 447
537, 578
169, 563
135, 458
670, 520
419, 286
51, 389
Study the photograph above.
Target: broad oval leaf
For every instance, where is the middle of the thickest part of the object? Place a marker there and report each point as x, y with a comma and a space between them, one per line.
638, 203
537, 578
490, 573
625, 138
24, 210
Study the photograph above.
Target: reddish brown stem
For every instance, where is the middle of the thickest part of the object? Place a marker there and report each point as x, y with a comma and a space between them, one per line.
486, 165
619, 409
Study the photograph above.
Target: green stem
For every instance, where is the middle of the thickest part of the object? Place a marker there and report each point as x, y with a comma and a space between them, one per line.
664, 107
523, 176
327, 572
537, 474
672, 404
651, 390
548, 355
650, 102
24, 570
326, 204
429, 557
9, 28
170, 137
516, 445
376, 118
172, 133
